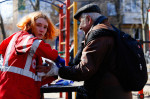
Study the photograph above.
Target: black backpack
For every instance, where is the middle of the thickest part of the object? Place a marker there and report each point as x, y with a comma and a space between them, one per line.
131, 69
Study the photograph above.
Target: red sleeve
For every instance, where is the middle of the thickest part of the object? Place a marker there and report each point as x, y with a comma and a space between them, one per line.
46, 51
48, 80
4, 44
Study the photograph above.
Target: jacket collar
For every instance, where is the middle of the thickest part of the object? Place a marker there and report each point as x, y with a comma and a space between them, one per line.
100, 20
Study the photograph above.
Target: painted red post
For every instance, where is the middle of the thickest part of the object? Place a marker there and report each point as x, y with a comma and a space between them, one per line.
140, 94
67, 34
60, 28
67, 38
61, 33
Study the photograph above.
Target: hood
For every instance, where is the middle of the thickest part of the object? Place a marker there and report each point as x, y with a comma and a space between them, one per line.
24, 42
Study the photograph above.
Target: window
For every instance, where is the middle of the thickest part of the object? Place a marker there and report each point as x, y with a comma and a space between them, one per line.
111, 9
134, 5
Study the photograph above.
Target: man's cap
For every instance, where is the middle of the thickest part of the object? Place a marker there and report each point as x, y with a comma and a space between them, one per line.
87, 9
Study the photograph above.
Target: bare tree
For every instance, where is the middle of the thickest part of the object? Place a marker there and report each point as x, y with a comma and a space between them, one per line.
144, 20
119, 16
2, 27
36, 7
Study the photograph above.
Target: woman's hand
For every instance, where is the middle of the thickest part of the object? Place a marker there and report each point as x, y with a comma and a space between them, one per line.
50, 70
44, 68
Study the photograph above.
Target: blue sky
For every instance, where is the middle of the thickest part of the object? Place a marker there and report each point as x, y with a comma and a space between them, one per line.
6, 9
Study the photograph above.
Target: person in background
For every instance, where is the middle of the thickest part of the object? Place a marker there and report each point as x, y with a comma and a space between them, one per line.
22, 53
97, 63
71, 50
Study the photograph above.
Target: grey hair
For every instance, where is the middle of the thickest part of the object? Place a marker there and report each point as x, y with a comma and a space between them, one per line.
94, 16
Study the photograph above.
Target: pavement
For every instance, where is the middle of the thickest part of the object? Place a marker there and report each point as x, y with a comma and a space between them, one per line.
56, 95
146, 92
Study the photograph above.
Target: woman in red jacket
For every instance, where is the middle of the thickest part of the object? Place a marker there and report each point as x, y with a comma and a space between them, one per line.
22, 52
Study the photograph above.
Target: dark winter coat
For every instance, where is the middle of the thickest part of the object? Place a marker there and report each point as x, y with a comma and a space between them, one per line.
96, 67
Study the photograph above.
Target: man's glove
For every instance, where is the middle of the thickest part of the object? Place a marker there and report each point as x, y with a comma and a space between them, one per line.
60, 61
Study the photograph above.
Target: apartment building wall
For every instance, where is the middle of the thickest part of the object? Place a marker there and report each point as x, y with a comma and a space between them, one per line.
125, 14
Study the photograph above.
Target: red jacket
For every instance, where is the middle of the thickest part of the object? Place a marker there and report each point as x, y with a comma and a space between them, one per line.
22, 52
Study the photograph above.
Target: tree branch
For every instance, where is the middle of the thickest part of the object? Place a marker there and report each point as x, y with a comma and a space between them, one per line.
32, 5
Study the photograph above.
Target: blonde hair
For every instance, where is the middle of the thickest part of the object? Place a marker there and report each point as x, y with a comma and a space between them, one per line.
27, 23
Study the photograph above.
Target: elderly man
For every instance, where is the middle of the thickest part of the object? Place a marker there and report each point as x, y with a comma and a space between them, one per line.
98, 59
